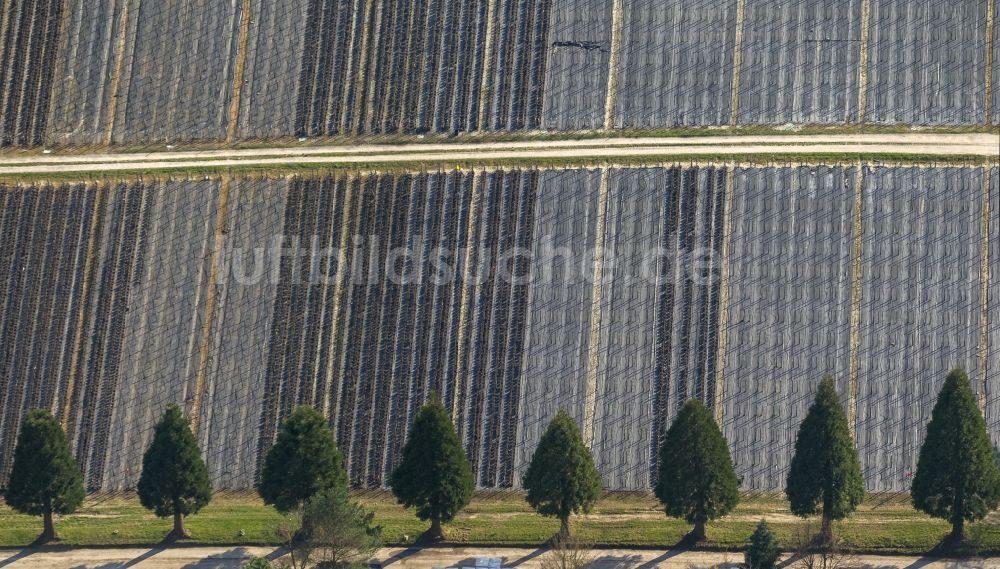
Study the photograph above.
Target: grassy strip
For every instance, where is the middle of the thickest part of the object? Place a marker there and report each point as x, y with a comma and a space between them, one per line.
476, 137
311, 169
633, 520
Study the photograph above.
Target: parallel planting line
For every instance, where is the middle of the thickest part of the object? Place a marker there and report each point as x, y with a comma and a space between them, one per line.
856, 272
866, 10
596, 301
611, 97
984, 291
210, 290
734, 102
727, 232
990, 23
116, 77
88, 267
239, 71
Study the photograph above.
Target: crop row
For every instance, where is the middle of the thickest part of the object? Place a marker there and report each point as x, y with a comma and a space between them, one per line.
615, 294
121, 71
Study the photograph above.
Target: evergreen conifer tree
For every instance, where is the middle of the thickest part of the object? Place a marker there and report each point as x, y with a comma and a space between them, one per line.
825, 470
44, 479
434, 475
957, 477
174, 480
697, 482
561, 478
303, 461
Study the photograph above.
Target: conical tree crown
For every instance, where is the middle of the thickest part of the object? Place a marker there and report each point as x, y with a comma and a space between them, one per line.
825, 470
174, 477
697, 481
434, 475
44, 473
562, 479
303, 461
957, 476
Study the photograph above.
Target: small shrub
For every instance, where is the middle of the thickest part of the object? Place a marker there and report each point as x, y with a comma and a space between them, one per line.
258, 563
763, 552
567, 553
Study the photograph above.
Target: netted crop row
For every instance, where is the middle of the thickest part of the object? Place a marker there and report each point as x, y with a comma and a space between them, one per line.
28, 42
614, 294
920, 307
125, 72
992, 371
401, 66
808, 53
789, 313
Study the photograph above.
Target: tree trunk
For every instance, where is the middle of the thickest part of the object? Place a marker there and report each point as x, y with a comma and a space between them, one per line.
957, 536
826, 531
435, 533
698, 533
563, 528
178, 532
49, 529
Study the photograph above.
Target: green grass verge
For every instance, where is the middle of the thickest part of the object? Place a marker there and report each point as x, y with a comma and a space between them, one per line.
504, 519
311, 169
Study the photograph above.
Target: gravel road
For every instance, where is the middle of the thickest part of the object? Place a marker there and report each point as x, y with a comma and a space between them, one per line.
943, 145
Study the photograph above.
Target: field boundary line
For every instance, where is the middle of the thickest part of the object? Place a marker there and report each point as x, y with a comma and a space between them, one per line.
116, 74
204, 355
487, 67
596, 310
61, 46
463, 311
614, 63
5, 25
727, 233
339, 291
734, 96
239, 72
359, 80
984, 289
883, 153
866, 11
856, 275
88, 268
349, 71
374, 40
990, 23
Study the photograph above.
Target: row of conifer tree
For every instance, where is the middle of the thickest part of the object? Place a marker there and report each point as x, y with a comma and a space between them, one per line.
957, 477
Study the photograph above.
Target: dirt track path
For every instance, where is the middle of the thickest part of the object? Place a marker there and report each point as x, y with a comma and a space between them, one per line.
986, 145
399, 558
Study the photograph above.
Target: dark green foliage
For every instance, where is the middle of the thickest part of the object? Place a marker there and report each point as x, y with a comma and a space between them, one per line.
44, 477
825, 470
763, 552
562, 479
697, 481
303, 461
258, 563
174, 478
957, 477
434, 475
